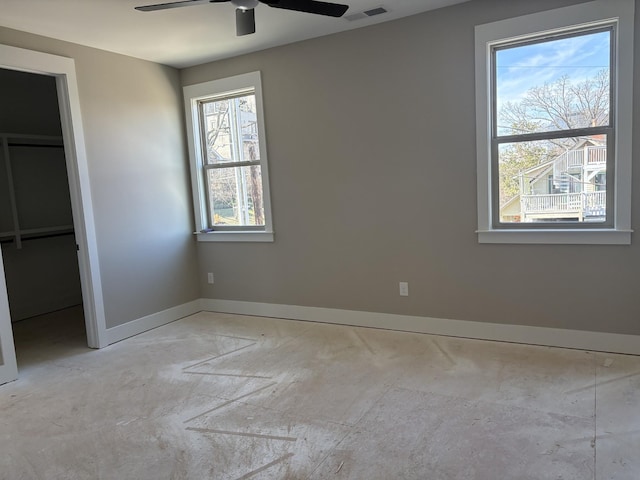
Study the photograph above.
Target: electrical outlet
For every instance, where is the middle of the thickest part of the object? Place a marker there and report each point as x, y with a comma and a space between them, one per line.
210, 277
404, 289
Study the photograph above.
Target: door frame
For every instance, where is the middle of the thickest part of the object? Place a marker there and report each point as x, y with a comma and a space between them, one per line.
63, 69
9, 367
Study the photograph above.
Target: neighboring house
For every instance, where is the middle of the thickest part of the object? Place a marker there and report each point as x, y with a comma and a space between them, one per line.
571, 187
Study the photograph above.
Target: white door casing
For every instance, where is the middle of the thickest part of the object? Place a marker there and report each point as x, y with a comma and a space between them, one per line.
8, 365
63, 69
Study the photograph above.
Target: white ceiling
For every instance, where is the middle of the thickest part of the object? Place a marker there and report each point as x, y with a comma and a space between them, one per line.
192, 35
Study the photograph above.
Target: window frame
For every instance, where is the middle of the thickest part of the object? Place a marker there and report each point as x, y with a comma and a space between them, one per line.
194, 96
618, 14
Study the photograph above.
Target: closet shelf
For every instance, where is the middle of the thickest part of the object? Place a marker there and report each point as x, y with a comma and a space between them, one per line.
18, 233
36, 233
31, 140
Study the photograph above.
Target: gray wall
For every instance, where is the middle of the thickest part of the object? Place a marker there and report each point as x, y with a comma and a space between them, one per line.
134, 133
371, 142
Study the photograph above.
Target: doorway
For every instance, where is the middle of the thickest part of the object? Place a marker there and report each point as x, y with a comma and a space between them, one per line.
36, 221
82, 228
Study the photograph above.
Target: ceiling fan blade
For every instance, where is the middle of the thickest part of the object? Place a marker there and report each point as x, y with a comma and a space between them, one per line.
245, 21
164, 6
309, 6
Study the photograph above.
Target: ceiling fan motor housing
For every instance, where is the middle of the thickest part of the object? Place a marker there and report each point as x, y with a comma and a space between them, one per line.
245, 4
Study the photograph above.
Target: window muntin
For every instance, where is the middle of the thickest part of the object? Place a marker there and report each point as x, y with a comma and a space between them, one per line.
235, 197
551, 113
568, 185
230, 128
228, 157
531, 70
231, 144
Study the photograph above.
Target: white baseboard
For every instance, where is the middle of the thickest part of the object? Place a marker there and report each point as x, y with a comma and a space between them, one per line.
115, 334
553, 337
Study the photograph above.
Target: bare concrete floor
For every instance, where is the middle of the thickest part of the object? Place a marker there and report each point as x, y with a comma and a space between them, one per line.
217, 396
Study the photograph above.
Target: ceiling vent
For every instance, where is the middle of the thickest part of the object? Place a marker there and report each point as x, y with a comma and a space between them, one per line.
375, 11
367, 13
355, 16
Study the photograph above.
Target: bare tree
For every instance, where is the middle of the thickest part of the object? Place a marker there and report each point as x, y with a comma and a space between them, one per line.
235, 188
559, 105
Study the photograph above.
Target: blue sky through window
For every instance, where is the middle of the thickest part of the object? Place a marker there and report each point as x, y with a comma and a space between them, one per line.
522, 67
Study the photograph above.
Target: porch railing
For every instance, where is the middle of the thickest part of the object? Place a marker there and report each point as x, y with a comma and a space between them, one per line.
591, 156
587, 203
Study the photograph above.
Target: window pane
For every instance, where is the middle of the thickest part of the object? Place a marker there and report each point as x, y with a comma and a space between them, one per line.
231, 129
553, 85
561, 180
235, 196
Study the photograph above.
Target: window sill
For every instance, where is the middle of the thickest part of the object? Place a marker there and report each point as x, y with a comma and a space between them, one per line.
557, 237
235, 236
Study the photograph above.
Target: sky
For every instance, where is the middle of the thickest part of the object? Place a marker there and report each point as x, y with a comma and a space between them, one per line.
520, 68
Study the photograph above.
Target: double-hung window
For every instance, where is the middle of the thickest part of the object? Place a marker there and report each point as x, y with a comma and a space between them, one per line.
228, 159
553, 112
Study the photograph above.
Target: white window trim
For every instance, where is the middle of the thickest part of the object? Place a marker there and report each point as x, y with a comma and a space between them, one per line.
202, 91
591, 13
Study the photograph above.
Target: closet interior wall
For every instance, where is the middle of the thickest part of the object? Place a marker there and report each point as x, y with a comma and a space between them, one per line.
36, 226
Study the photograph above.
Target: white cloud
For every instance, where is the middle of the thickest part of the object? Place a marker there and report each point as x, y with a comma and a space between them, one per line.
522, 68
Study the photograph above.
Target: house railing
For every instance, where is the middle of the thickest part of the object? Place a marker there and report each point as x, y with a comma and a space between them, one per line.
596, 155
585, 157
586, 203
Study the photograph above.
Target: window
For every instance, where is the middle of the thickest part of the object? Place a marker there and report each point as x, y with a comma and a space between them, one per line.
228, 159
553, 106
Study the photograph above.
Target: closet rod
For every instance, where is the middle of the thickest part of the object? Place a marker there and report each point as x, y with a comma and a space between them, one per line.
45, 145
38, 237
26, 136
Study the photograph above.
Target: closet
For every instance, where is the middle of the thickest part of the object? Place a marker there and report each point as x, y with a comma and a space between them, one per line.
36, 226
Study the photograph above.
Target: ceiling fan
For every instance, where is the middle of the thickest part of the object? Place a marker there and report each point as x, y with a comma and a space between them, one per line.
245, 16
